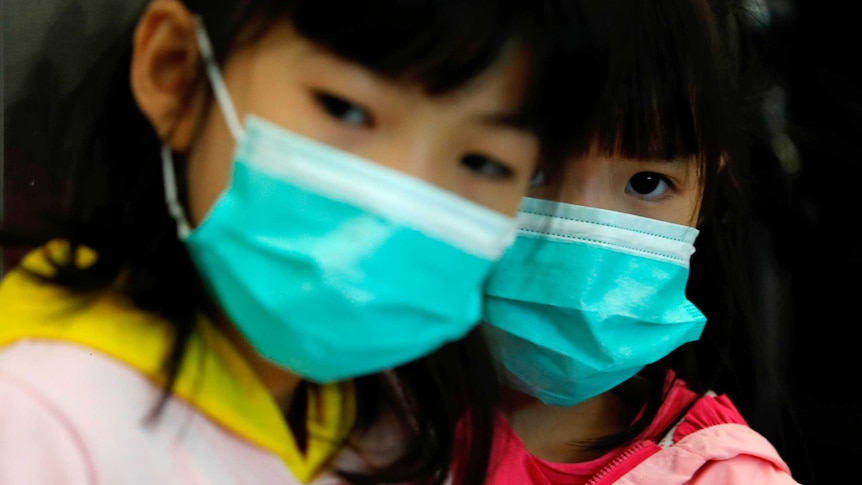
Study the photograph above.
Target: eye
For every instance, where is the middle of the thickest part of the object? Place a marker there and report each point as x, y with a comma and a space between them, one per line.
486, 167
648, 185
538, 178
343, 110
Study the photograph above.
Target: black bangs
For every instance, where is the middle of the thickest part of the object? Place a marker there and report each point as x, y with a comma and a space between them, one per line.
439, 45
443, 44
666, 95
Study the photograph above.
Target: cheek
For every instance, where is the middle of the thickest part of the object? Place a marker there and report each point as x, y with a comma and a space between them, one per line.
689, 206
693, 213
504, 198
681, 210
684, 214
210, 163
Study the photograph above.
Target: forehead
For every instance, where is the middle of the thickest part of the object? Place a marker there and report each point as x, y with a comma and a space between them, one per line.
282, 55
499, 89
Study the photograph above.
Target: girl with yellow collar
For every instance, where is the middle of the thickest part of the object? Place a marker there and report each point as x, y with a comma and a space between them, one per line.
283, 208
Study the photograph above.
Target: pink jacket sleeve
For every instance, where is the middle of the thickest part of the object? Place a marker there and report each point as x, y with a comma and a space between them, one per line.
742, 469
37, 445
725, 454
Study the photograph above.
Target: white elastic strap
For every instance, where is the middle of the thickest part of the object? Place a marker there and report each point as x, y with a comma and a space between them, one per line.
174, 207
218, 85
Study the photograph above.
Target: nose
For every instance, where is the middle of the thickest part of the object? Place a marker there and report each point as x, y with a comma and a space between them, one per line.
587, 184
589, 195
418, 155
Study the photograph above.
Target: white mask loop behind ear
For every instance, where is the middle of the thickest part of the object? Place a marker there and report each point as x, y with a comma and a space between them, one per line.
184, 228
219, 88
171, 199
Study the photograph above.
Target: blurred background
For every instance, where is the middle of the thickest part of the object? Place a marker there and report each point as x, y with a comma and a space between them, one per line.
814, 48
47, 47
808, 191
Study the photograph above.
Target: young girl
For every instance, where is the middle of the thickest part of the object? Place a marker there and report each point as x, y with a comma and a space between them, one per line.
586, 311
280, 203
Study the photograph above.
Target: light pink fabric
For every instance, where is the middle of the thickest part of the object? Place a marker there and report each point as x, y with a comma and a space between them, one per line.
718, 455
70, 415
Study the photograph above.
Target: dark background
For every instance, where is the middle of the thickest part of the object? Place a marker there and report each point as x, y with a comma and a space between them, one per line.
47, 47
816, 52
809, 201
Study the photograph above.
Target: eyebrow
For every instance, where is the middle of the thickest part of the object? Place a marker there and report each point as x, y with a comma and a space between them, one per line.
516, 120
677, 163
679, 160
667, 161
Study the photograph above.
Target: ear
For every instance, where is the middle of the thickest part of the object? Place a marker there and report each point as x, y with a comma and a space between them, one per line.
164, 70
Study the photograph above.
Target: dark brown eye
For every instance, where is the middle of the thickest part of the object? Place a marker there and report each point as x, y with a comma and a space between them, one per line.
538, 178
648, 185
486, 167
343, 110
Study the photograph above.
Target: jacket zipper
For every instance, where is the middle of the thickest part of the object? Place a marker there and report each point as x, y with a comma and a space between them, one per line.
640, 451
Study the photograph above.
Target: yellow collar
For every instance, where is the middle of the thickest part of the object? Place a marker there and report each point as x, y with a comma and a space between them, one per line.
214, 378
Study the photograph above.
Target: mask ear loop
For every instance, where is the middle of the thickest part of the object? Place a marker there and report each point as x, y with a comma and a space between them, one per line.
175, 209
218, 85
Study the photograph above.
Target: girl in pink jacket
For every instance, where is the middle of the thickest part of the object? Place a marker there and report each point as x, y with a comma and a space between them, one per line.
591, 315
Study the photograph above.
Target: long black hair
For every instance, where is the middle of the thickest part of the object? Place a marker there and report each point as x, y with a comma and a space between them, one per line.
682, 81
111, 197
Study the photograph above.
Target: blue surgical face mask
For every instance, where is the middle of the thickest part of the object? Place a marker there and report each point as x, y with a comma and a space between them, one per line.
587, 297
333, 266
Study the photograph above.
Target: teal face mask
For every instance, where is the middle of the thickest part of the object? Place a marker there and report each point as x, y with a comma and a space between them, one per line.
587, 297
333, 266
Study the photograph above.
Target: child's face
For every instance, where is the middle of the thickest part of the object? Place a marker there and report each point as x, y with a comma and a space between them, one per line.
665, 190
461, 141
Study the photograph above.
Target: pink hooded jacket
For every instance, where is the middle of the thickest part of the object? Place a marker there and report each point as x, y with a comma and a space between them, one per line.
712, 444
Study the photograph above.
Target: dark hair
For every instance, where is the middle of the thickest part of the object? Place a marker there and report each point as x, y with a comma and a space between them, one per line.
113, 200
682, 82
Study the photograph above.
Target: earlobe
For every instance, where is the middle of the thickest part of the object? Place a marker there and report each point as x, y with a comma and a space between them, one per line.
164, 71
